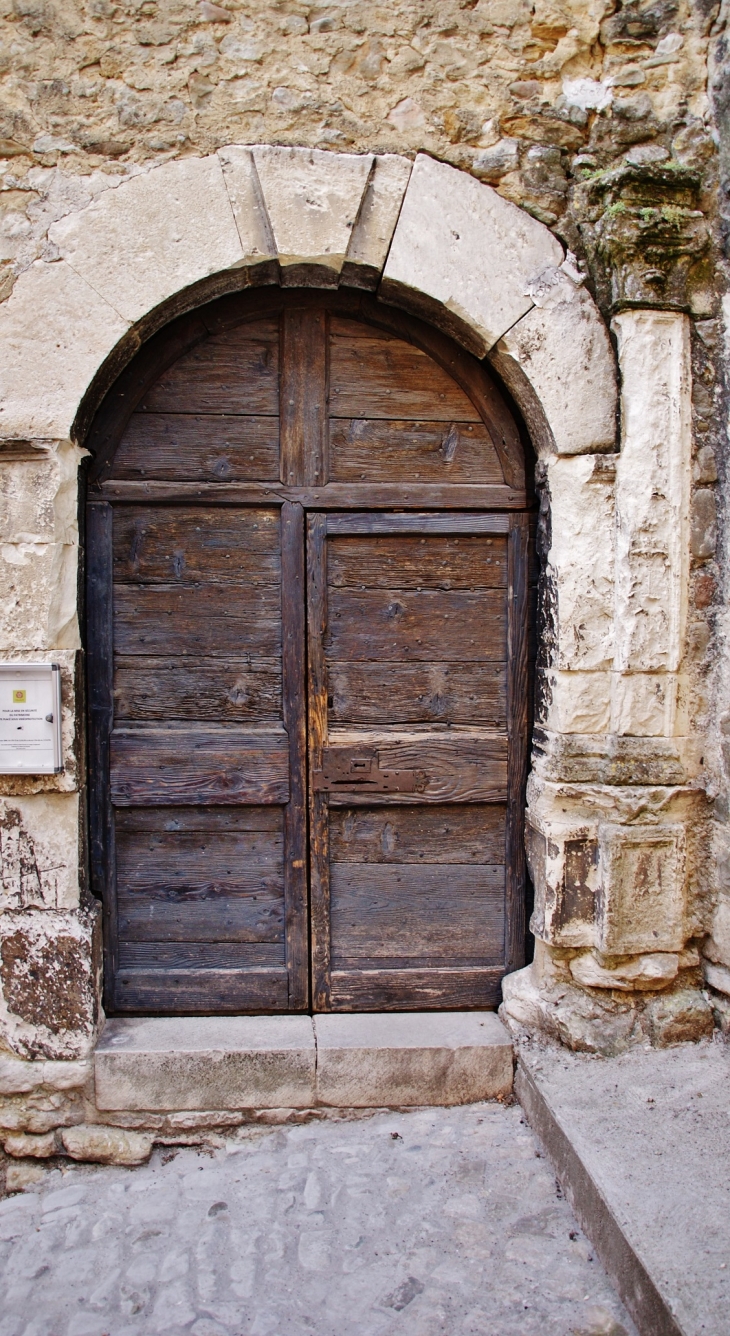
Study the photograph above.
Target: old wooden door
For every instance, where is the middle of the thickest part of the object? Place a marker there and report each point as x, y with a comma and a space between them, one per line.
306, 562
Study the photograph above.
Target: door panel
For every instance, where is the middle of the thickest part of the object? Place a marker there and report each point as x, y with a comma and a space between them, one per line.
411, 820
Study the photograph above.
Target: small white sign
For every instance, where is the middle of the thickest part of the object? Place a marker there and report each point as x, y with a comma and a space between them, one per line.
30, 719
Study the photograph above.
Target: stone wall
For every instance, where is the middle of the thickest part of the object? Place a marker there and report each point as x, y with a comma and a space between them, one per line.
597, 119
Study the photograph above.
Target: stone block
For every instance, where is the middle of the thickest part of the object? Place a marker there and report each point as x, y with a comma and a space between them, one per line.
396, 1058
313, 200
580, 562
648, 972
244, 191
19, 1077
22, 1144
373, 231
562, 348
464, 256
563, 863
717, 976
644, 704
222, 1062
577, 702
152, 236
22, 1175
55, 332
39, 494
653, 475
717, 948
38, 593
681, 1017
704, 524
584, 1022
49, 967
106, 1145
39, 852
641, 902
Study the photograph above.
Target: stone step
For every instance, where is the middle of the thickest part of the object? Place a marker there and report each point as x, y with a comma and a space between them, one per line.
372, 1060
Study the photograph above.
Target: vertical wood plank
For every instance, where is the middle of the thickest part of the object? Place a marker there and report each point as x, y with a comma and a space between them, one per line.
100, 704
318, 801
303, 396
518, 717
294, 718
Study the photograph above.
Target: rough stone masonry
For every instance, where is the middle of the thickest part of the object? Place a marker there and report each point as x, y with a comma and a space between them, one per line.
606, 122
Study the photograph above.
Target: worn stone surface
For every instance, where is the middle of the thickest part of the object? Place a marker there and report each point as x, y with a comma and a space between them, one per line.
651, 1130
373, 231
222, 1062
39, 852
49, 962
447, 216
644, 972
428, 1222
106, 1145
22, 1145
152, 236
421, 1058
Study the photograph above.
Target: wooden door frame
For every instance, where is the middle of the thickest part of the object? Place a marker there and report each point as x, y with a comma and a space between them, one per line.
300, 492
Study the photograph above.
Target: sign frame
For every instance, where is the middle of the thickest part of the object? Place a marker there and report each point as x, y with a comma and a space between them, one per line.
40, 752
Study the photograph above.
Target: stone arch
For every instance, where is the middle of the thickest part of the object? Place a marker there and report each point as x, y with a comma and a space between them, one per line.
426, 236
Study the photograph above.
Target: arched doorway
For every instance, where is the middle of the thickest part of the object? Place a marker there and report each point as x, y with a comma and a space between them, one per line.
307, 540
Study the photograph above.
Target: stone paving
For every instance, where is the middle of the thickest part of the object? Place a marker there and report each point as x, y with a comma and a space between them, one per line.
421, 1223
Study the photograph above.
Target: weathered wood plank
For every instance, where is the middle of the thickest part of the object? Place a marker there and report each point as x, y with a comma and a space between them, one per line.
420, 989
226, 690
204, 918
233, 372
168, 992
201, 955
396, 625
402, 693
518, 707
418, 561
334, 496
453, 768
199, 863
192, 543
406, 909
468, 834
198, 447
373, 375
421, 524
171, 766
303, 396
317, 726
158, 819
384, 450
219, 620
294, 715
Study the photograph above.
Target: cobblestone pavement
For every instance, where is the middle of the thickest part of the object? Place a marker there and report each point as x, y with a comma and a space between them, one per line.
428, 1222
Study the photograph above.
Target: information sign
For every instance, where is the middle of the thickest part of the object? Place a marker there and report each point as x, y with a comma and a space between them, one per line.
30, 719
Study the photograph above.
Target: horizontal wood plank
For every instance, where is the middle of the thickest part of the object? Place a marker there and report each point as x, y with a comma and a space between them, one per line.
226, 690
397, 625
382, 450
373, 375
157, 819
199, 864
406, 909
201, 955
181, 766
457, 767
198, 447
225, 918
189, 543
169, 992
418, 524
335, 496
417, 561
467, 834
233, 372
220, 620
402, 693
415, 989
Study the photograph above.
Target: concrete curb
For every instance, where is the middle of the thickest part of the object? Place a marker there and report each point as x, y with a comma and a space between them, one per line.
625, 1267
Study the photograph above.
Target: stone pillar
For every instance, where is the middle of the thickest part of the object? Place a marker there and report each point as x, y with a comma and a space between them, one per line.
613, 829
48, 929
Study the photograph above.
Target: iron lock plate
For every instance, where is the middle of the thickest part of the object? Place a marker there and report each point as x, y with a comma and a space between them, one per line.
362, 772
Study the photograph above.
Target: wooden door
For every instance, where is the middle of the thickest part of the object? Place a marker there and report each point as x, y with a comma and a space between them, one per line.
260, 433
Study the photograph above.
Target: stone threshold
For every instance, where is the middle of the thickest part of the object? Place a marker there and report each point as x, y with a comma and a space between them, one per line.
641, 1146
169, 1065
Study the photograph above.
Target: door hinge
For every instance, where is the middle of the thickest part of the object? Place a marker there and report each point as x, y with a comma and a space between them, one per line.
362, 773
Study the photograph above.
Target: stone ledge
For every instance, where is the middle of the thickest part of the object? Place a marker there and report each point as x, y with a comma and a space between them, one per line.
335, 1061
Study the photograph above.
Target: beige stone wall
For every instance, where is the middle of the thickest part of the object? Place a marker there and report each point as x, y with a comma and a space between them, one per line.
595, 119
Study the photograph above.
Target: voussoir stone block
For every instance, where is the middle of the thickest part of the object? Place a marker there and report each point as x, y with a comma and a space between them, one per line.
244, 191
373, 231
154, 235
55, 332
313, 200
562, 348
464, 256
205, 1063
393, 1059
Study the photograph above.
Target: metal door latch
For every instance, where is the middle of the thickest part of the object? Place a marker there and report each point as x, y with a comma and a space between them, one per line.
345, 771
